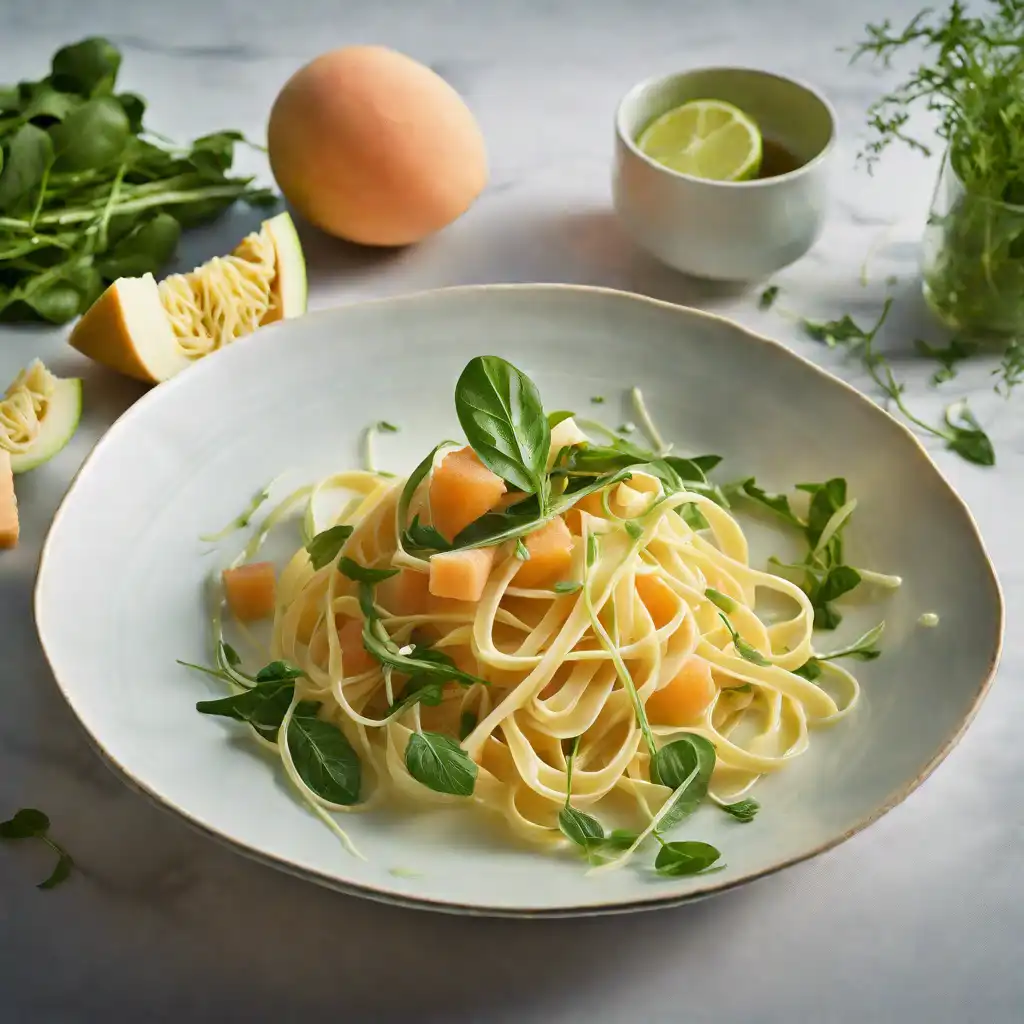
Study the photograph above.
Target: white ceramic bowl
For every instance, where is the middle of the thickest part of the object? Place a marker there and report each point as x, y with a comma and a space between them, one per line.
118, 594
732, 231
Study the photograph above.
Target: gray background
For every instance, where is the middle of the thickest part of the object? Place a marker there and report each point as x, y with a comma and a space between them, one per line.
920, 918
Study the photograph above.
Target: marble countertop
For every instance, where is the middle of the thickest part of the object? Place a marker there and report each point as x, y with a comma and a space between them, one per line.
919, 918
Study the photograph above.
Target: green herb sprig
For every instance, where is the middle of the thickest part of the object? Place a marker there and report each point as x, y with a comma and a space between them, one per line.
87, 194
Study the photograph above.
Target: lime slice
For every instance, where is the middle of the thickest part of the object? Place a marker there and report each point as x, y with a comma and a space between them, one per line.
705, 138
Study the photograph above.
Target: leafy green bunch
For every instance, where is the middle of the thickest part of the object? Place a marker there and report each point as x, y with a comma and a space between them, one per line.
973, 81
87, 194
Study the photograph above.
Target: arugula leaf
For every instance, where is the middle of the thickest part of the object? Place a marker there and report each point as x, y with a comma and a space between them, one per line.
467, 723
325, 760
685, 858
743, 649
327, 545
688, 757
29, 823
501, 412
777, 503
361, 573
264, 705
692, 516
420, 537
440, 764
958, 350
742, 810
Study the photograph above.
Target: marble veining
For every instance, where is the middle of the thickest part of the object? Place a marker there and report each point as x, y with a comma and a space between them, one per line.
919, 918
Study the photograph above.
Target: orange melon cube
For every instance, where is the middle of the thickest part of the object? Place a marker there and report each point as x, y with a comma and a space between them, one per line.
461, 575
550, 550
355, 658
658, 598
685, 698
405, 594
462, 489
250, 591
9, 527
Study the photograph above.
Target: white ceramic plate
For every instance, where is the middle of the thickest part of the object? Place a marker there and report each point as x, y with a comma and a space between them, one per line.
118, 596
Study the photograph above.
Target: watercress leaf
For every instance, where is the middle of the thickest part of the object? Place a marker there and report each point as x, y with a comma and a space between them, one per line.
47, 104
28, 155
134, 107
809, 670
581, 828
620, 839
501, 412
440, 764
212, 155
420, 537
742, 810
554, 418
93, 135
88, 68
688, 757
325, 760
422, 661
958, 350
143, 250
693, 517
835, 332
839, 580
325, 547
61, 871
744, 649
685, 858
467, 723
57, 301
723, 601
26, 824
826, 500
361, 574
966, 437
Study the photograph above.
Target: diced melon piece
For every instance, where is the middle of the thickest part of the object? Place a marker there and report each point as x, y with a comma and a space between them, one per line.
461, 575
550, 550
249, 590
588, 503
685, 698
462, 489
8, 503
405, 594
659, 599
355, 658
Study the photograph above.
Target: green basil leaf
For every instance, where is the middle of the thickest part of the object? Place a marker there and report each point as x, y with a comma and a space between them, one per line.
361, 574
26, 824
440, 764
687, 858
554, 418
676, 762
28, 156
325, 547
501, 412
325, 760
742, 810
93, 135
582, 829
88, 68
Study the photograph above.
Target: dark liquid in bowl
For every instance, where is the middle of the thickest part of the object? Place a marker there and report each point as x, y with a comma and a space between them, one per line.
776, 160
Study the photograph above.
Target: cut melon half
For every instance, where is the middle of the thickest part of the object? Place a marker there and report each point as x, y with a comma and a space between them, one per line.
38, 415
153, 331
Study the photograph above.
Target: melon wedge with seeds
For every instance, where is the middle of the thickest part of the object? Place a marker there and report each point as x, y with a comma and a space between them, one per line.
153, 331
39, 413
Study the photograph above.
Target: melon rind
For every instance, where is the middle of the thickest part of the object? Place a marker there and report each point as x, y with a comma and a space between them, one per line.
63, 411
292, 287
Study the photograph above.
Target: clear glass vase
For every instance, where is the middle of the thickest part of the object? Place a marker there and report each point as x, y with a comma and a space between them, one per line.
973, 261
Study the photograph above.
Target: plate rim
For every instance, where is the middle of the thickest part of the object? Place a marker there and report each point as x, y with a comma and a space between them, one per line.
392, 897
